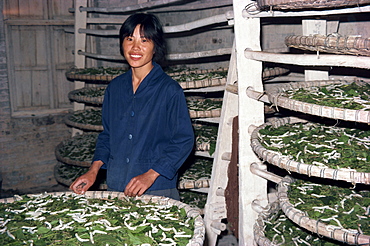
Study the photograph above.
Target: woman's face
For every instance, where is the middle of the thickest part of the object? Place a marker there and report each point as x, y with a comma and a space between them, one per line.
138, 50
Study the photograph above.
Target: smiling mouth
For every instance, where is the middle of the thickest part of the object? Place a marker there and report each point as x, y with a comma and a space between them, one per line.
136, 56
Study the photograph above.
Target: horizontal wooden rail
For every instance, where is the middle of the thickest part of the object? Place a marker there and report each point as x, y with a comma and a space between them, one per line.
142, 6
310, 60
252, 11
195, 6
169, 29
180, 56
255, 169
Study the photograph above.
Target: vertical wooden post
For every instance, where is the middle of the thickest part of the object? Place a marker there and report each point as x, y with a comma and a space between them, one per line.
251, 112
312, 27
215, 208
80, 44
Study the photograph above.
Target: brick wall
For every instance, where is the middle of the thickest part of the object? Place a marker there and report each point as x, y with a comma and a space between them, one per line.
26, 144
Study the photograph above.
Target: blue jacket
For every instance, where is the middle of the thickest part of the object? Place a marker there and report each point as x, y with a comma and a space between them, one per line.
150, 129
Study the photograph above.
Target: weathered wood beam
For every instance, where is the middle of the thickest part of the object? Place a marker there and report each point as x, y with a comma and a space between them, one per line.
310, 60
180, 56
170, 29
252, 11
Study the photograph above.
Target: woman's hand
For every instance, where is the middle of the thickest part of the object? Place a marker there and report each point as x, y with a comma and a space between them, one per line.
85, 181
139, 184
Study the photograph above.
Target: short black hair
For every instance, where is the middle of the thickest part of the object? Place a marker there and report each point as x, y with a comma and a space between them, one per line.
150, 27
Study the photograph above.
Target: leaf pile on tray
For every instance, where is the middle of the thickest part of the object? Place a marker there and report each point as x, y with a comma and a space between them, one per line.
80, 147
89, 116
317, 144
200, 169
99, 71
348, 96
70, 172
206, 137
188, 75
340, 208
91, 92
76, 220
280, 230
203, 104
193, 198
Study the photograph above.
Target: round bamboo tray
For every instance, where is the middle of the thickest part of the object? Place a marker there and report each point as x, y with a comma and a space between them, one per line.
191, 212
94, 74
269, 73
275, 97
69, 161
317, 226
86, 125
82, 95
194, 184
195, 114
82, 147
62, 170
290, 165
307, 4
204, 108
195, 79
259, 225
206, 137
332, 43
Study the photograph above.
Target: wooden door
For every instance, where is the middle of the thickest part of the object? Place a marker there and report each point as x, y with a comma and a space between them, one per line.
39, 52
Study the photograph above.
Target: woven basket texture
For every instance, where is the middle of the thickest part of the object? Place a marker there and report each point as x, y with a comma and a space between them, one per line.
82, 139
290, 165
333, 43
315, 226
259, 225
277, 99
80, 125
75, 95
308, 4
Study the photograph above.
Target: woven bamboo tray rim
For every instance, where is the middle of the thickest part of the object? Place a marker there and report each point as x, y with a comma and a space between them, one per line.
84, 126
191, 212
352, 45
194, 184
183, 184
74, 74
205, 113
307, 4
72, 95
59, 178
67, 160
207, 82
277, 99
213, 113
203, 146
299, 217
290, 165
259, 225
91, 77
269, 73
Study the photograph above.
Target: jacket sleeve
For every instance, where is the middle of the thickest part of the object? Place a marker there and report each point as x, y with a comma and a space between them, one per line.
181, 134
102, 148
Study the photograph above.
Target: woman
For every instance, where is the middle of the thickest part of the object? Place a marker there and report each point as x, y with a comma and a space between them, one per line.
147, 129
